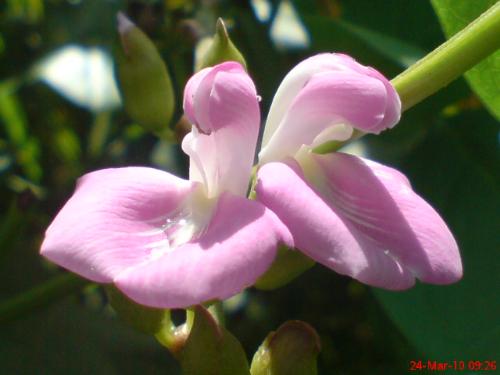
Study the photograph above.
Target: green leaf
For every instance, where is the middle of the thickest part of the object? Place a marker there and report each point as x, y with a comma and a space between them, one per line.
484, 79
12, 114
13, 118
404, 53
211, 350
67, 145
68, 338
40, 296
27, 10
340, 32
99, 133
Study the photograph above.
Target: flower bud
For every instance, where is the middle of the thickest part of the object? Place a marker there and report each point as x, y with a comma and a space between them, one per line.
211, 349
291, 350
145, 83
220, 50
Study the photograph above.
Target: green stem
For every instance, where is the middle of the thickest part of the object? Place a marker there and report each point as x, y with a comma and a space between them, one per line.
442, 66
40, 296
450, 60
166, 335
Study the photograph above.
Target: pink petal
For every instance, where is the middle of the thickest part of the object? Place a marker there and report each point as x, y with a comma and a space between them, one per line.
294, 82
112, 220
337, 89
198, 94
238, 246
321, 233
329, 98
134, 227
392, 113
379, 202
361, 219
189, 92
227, 114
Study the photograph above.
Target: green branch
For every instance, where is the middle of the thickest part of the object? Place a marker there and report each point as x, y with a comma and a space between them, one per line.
450, 60
442, 66
40, 296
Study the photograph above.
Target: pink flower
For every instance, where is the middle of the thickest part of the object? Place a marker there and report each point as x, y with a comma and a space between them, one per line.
353, 215
168, 242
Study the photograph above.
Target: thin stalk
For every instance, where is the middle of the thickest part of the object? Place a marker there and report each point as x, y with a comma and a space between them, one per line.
40, 296
450, 60
442, 66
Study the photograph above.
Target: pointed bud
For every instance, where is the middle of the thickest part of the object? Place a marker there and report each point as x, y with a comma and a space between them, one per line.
145, 83
221, 49
287, 265
291, 350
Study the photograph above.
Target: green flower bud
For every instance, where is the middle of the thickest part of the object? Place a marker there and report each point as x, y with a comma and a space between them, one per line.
291, 350
221, 49
287, 265
211, 349
145, 83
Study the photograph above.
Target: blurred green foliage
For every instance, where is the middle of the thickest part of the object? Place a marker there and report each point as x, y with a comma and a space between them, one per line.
448, 146
484, 78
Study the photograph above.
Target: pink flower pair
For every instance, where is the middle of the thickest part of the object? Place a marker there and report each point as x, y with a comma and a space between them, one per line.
168, 242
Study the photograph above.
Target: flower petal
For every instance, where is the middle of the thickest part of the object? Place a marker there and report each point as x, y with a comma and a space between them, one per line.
190, 91
323, 91
237, 247
293, 82
227, 115
392, 113
323, 234
379, 203
113, 220
328, 99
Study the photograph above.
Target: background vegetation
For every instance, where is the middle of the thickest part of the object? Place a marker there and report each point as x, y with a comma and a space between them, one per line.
448, 146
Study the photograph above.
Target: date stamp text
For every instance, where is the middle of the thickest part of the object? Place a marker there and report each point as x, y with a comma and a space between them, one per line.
456, 365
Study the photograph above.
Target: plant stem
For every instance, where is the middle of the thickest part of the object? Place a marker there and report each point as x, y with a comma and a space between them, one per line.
166, 335
40, 296
450, 60
442, 66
